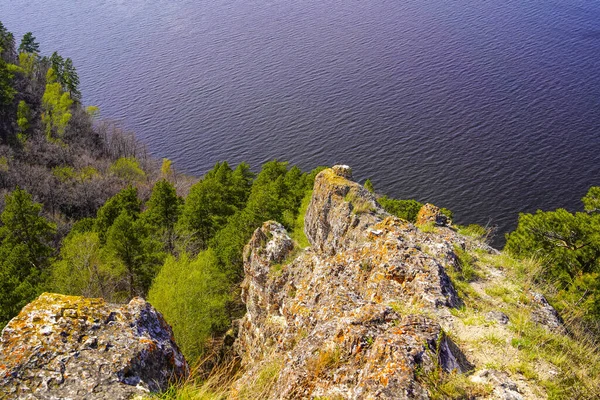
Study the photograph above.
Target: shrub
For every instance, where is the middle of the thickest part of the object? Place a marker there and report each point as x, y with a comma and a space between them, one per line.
192, 295
405, 209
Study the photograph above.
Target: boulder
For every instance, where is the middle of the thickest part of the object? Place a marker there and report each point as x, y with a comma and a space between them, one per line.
69, 347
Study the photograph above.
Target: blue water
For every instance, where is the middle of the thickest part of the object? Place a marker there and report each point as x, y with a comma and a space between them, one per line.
489, 108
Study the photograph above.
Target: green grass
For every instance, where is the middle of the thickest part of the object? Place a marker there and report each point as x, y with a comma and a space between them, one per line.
297, 233
475, 231
358, 203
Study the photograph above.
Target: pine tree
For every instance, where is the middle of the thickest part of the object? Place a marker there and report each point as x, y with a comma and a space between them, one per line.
125, 200
7, 45
24, 252
71, 80
57, 63
162, 212
29, 45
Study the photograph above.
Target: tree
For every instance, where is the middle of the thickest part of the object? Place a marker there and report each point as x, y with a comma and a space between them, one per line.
192, 294
130, 246
210, 203
7, 94
70, 80
81, 271
24, 252
126, 200
162, 212
568, 247
591, 201
128, 169
57, 107
57, 63
23, 118
29, 45
7, 45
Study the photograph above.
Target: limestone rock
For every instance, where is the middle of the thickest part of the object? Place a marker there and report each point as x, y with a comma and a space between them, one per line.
340, 210
68, 347
356, 315
545, 314
430, 214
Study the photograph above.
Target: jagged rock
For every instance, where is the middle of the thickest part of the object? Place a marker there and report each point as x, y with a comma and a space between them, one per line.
355, 316
545, 314
68, 347
430, 214
340, 211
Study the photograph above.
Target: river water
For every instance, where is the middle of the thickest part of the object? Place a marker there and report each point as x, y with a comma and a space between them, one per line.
489, 108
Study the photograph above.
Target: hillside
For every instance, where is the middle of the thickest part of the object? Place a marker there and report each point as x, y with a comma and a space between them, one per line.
378, 307
375, 307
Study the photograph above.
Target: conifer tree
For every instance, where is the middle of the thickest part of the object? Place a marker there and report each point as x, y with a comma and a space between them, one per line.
126, 200
29, 45
162, 212
24, 252
71, 80
7, 45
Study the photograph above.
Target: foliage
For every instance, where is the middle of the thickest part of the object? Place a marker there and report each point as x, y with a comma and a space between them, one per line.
130, 247
275, 193
162, 213
23, 117
128, 169
405, 209
24, 252
57, 107
124, 201
568, 245
7, 45
28, 44
192, 294
212, 201
81, 271
369, 186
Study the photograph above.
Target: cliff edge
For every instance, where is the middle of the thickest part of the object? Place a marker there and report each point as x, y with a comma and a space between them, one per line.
368, 311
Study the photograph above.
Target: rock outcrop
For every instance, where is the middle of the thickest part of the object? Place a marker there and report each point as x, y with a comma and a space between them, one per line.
67, 347
356, 315
430, 214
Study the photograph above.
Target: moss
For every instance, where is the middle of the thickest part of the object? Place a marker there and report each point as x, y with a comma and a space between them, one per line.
427, 228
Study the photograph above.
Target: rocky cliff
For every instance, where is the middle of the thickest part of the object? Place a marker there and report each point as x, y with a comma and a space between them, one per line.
67, 347
375, 308
368, 311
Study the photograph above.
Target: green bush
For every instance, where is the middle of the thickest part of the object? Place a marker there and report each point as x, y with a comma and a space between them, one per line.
568, 246
192, 295
405, 209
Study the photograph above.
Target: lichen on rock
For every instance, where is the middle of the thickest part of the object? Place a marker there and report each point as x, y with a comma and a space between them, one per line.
356, 315
72, 347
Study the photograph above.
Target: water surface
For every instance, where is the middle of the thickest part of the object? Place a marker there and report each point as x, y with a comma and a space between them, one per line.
489, 108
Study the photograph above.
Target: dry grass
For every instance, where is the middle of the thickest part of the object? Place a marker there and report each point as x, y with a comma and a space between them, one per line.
224, 382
